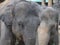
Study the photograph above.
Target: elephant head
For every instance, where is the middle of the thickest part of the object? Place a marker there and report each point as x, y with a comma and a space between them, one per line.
47, 32
26, 21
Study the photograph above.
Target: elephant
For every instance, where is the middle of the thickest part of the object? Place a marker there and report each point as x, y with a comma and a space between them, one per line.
57, 7
22, 20
8, 15
47, 32
25, 21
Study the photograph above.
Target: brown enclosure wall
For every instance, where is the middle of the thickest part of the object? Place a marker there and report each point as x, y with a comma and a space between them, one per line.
1, 1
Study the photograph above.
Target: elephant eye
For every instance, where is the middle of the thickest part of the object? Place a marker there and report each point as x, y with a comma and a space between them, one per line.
21, 24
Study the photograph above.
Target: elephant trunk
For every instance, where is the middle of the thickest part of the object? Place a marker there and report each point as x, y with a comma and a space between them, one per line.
43, 34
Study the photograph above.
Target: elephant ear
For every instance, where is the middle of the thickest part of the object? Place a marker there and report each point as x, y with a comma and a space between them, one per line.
7, 18
6, 14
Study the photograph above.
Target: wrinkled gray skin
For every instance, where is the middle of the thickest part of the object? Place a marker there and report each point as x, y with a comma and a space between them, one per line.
7, 38
30, 20
26, 21
6, 35
49, 17
57, 7
6, 18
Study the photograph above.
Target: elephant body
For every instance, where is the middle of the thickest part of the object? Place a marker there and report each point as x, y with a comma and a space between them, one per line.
57, 7
21, 21
48, 29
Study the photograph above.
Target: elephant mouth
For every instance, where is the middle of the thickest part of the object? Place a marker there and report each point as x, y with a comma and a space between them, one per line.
19, 36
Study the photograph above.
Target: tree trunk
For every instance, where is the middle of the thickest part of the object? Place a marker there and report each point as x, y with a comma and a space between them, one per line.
43, 2
50, 3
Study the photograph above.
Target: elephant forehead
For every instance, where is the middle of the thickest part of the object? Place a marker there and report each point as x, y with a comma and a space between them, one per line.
49, 11
20, 19
27, 19
27, 8
23, 6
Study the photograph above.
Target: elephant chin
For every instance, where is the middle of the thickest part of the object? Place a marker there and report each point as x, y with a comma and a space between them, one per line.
42, 34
